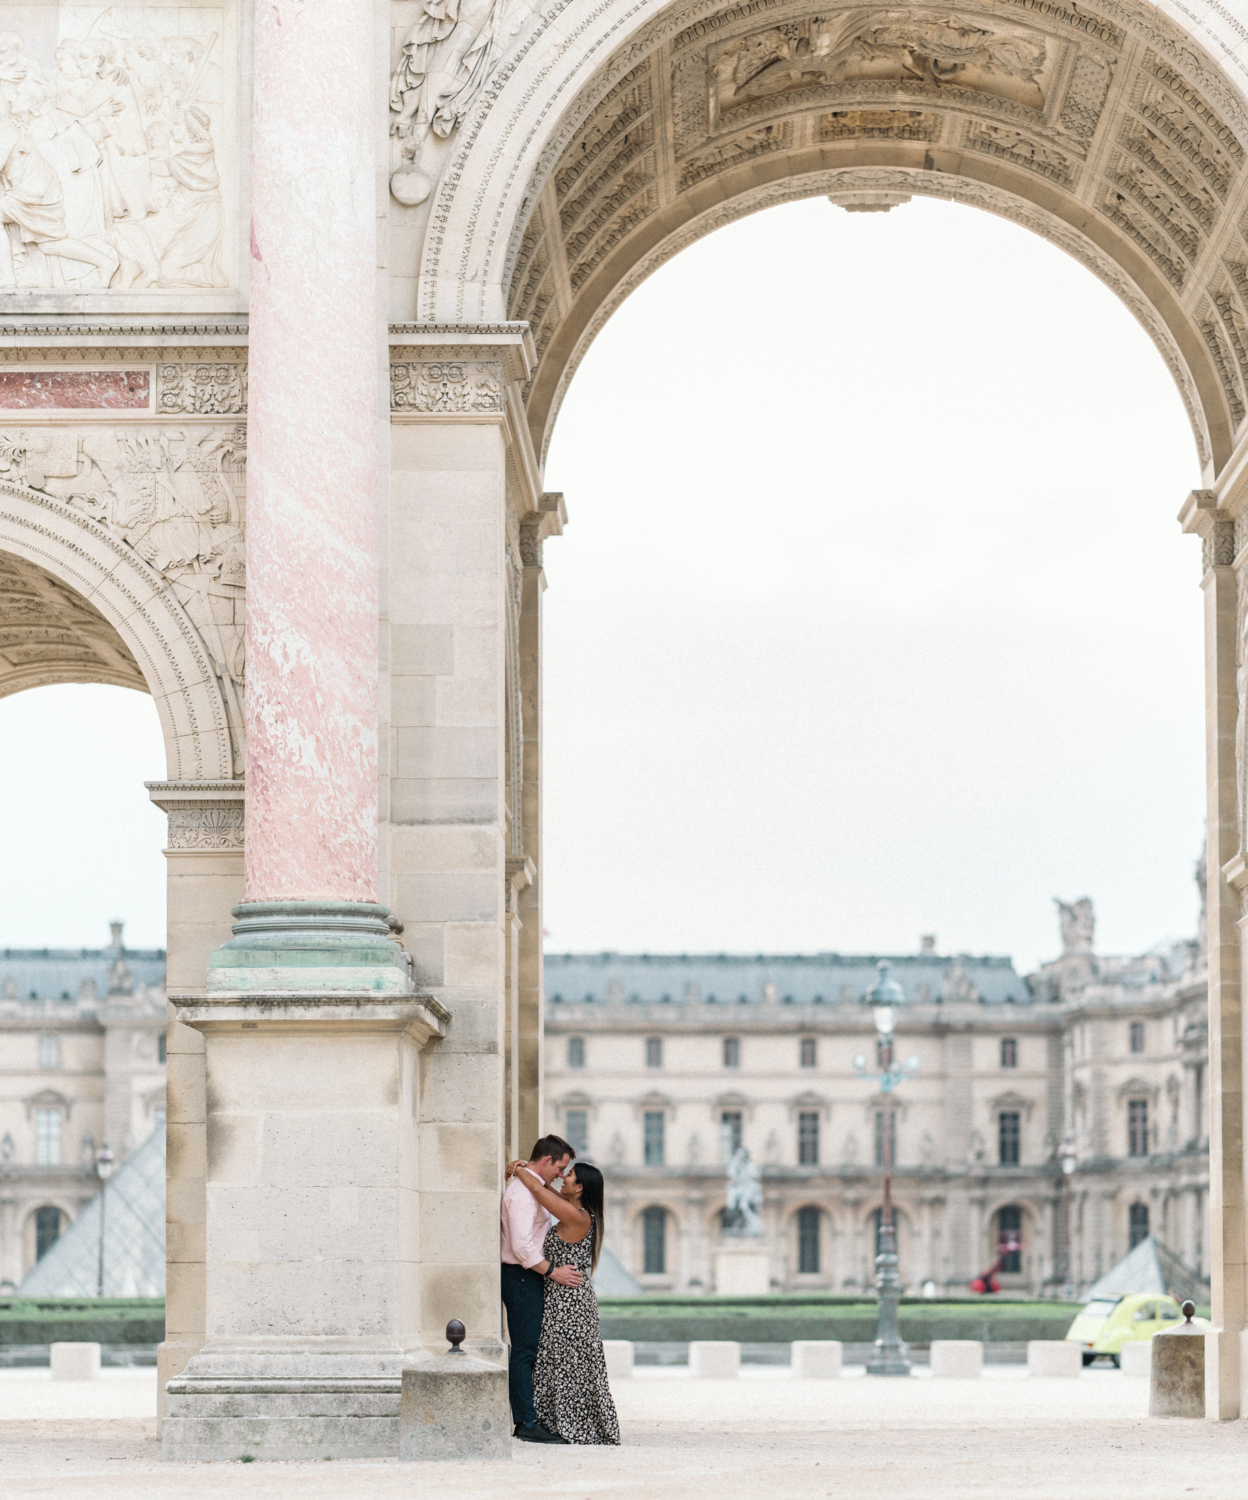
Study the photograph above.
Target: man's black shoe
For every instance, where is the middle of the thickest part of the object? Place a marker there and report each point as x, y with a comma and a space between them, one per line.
536, 1433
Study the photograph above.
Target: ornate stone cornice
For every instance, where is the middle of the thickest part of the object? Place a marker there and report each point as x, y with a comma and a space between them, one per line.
205, 817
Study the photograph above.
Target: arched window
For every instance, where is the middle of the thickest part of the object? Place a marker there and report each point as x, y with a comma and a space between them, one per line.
1010, 1233
654, 1241
1138, 1219
808, 1241
47, 1230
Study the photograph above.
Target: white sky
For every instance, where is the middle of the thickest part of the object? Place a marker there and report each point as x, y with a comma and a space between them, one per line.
872, 619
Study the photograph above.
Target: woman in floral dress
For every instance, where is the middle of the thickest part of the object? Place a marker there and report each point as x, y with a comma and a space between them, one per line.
570, 1387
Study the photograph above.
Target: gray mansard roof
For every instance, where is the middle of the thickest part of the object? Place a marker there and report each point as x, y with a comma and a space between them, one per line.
61, 973
796, 979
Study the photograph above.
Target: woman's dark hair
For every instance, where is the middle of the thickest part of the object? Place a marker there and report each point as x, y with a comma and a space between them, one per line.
590, 1179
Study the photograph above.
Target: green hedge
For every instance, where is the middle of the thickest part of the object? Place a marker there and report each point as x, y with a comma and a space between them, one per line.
783, 1318
88, 1320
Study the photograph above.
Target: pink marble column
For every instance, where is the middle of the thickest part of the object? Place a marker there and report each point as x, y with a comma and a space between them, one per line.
312, 464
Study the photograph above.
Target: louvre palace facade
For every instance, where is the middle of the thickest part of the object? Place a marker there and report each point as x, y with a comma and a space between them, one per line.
82, 1064
659, 1067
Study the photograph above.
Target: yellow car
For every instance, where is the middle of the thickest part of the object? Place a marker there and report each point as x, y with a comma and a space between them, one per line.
1107, 1323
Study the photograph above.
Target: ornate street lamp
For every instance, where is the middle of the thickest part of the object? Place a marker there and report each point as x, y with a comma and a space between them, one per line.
103, 1170
889, 1357
1068, 1155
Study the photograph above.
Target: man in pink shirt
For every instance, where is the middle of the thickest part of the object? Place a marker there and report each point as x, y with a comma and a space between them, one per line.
525, 1268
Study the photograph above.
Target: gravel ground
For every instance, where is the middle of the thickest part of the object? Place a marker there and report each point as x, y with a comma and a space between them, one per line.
764, 1434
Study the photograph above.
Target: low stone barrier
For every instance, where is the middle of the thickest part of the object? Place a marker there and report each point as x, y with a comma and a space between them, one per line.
714, 1359
1177, 1387
454, 1406
619, 1356
75, 1361
957, 1359
816, 1359
1054, 1358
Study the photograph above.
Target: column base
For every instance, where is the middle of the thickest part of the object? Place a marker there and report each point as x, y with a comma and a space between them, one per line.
283, 947
293, 1404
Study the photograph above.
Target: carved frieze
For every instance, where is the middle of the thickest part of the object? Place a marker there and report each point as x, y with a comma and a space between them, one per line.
1218, 545
1137, 225
1178, 174
214, 827
112, 120
456, 387
1222, 359
1197, 104
735, 150
202, 389
173, 495
1015, 146
1211, 158
877, 125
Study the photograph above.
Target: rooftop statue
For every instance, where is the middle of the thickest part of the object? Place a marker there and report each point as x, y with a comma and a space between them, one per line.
1078, 925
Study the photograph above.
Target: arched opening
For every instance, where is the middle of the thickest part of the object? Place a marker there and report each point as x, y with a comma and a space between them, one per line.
808, 1223
1137, 1224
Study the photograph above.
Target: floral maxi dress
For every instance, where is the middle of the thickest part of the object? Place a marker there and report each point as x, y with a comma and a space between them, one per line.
570, 1387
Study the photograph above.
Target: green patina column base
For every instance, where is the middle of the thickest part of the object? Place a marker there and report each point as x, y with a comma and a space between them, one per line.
310, 946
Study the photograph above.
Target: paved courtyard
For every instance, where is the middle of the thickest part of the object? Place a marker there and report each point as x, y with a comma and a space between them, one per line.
765, 1434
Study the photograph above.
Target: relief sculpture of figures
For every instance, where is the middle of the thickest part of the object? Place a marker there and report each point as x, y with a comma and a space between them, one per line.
446, 60
108, 174
175, 496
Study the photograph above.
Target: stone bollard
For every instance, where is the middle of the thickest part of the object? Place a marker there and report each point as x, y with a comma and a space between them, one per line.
1177, 1388
1136, 1358
714, 1359
1054, 1357
454, 1406
816, 1359
957, 1359
619, 1356
75, 1361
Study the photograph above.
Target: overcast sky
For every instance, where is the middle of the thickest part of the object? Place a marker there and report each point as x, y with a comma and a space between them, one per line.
872, 619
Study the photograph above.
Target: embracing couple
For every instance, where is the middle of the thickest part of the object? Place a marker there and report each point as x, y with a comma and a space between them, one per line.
551, 1240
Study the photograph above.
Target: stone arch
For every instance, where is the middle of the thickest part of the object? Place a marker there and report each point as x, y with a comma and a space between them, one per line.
109, 617
1119, 131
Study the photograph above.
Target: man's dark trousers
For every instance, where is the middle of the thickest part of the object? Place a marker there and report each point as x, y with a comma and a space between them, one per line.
522, 1297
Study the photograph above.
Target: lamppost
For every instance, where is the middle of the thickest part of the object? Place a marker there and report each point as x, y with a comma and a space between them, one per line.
1069, 1156
889, 1357
103, 1170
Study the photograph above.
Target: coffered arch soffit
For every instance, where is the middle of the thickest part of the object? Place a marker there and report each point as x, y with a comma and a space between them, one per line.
79, 605
1113, 133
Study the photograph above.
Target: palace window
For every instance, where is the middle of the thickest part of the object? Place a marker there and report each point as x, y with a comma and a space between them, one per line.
47, 1230
654, 1052
1009, 1137
1137, 1036
730, 1122
49, 1051
1009, 1052
1138, 1224
1137, 1127
47, 1137
654, 1138
879, 1136
654, 1241
1010, 1232
732, 1052
808, 1052
808, 1241
808, 1138
576, 1128
576, 1052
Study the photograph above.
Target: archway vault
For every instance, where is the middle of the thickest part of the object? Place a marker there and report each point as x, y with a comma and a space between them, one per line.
1109, 131
79, 605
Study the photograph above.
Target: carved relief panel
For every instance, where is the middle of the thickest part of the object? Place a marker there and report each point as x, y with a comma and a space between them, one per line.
173, 491
117, 148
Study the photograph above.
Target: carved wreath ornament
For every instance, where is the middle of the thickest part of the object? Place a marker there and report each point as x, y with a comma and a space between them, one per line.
444, 386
